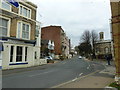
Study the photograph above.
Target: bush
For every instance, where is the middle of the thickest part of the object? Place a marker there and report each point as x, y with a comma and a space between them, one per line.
50, 61
61, 58
114, 84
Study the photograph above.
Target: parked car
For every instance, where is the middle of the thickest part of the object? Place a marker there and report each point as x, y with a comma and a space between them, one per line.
80, 57
49, 58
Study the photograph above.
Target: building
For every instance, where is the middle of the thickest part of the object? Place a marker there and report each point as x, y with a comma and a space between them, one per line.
115, 30
47, 48
18, 35
61, 41
102, 47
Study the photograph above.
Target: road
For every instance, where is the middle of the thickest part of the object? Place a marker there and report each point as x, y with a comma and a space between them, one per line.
51, 75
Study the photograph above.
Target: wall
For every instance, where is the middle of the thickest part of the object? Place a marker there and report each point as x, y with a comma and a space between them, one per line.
52, 33
115, 7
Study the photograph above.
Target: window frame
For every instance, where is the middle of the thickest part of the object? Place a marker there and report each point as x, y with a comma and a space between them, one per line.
8, 25
14, 59
21, 31
4, 8
21, 14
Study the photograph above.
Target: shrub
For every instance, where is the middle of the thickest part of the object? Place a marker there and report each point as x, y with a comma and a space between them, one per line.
114, 84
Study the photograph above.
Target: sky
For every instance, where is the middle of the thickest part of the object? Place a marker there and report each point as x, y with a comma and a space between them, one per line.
75, 16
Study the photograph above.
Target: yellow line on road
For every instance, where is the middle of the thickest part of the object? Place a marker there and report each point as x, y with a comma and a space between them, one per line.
73, 81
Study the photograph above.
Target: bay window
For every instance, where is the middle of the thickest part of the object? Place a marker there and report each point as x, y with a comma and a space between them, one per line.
4, 27
23, 30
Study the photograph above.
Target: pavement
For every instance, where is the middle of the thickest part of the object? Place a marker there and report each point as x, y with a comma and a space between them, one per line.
97, 79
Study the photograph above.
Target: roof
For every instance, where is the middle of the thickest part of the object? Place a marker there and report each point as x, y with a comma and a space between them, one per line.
103, 41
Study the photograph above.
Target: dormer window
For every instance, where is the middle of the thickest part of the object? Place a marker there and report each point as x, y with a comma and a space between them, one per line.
24, 11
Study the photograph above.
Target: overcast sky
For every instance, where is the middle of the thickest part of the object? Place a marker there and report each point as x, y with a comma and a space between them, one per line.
75, 16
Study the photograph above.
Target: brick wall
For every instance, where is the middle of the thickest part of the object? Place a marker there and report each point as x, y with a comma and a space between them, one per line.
52, 33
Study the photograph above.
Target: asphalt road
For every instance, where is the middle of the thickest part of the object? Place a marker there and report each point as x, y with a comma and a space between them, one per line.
51, 75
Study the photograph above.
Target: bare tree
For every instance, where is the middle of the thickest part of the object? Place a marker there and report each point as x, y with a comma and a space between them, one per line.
86, 37
94, 38
87, 42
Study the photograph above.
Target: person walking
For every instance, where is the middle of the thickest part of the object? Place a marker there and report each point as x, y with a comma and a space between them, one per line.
108, 59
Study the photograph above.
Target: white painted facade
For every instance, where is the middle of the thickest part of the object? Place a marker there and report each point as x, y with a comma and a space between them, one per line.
19, 51
30, 53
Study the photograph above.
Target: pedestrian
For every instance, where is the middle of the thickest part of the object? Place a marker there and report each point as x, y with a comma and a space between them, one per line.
108, 59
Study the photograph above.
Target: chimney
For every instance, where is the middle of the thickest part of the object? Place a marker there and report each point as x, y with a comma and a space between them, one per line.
101, 35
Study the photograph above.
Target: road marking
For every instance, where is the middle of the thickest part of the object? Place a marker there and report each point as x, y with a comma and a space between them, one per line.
64, 63
80, 74
75, 79
87, 67
40, 74
57, 86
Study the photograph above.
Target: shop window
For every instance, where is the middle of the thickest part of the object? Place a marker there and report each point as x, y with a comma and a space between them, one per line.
11, 53
26, 49
35, 55
19, 54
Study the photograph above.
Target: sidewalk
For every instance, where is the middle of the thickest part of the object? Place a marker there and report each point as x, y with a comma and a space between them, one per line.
18, 70
98, 79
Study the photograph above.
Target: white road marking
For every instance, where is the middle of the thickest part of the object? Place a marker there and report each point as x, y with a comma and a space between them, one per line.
40, 74
57, 86
87, 67
80, 74
74, 79
64, 63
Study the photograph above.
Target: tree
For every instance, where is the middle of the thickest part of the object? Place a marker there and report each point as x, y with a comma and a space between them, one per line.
85, 49
94, 38
87, 44
86, 37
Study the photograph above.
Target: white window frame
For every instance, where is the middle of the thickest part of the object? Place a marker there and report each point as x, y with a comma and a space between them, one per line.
4, 8
9, 23
22, 30
22, 11
15, 53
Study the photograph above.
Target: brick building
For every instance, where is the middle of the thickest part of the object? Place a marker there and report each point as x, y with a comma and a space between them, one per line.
61, 41
18, 27
115, 30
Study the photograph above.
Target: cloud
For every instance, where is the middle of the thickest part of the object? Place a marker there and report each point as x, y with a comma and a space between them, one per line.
75, 16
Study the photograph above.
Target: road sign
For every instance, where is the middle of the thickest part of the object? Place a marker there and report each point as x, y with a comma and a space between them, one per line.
13, 2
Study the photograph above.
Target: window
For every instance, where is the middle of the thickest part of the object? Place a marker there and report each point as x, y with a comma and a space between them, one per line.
35, 55
0, 55
37, 31
26, 53
24, 11
19, 29
106, 50
3, 27
11, 54
19, 54
23, 30
5, 5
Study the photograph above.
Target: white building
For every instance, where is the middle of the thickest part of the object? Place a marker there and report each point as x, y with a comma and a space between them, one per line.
21, 46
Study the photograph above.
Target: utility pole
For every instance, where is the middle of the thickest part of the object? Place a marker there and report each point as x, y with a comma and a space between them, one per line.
115, 26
